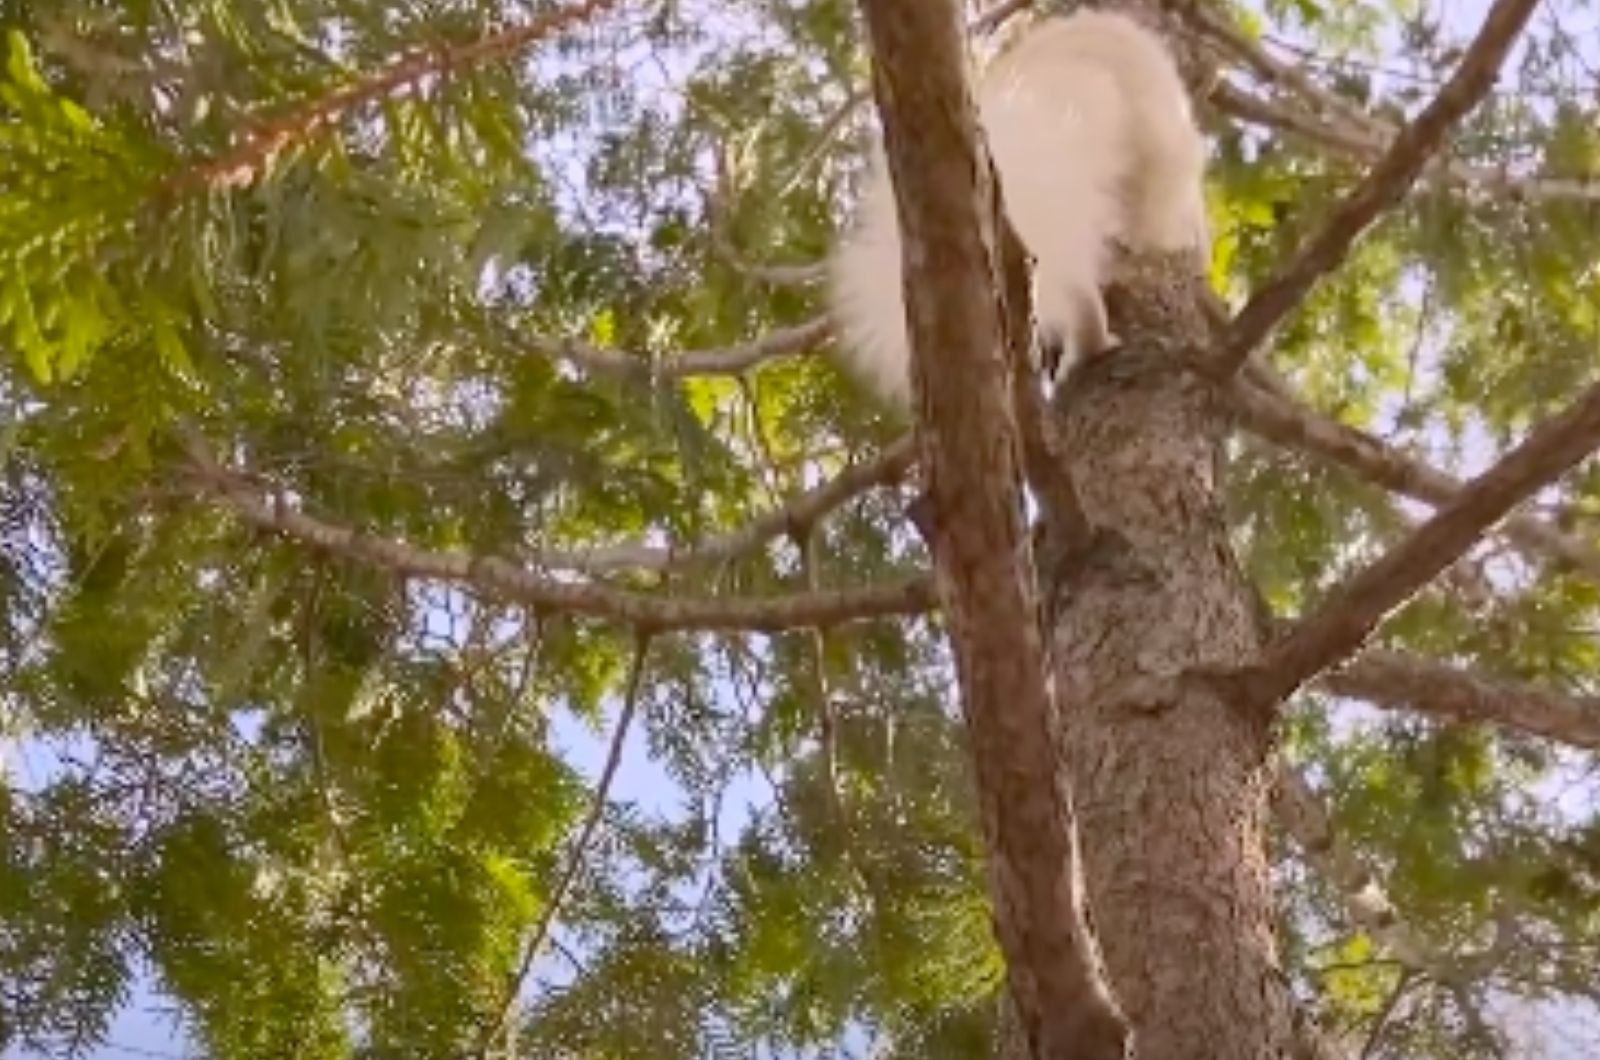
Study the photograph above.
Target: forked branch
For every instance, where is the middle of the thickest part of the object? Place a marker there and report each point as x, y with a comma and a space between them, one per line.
495, 576
1384, 186
1353, 610
1277, 420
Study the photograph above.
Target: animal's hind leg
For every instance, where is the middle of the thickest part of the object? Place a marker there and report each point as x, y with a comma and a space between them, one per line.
1072, 322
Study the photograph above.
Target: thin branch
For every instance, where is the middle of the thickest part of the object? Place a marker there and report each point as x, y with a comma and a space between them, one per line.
1232, 100
1402, 984
1383, 187
994, 17
1273, 70
501, 578
244, 163
822, 143
800, 511
971, 453
577, 853
1398, 680
1302, 815
777, 275
727, 360
1353, 610
1277, 420
1047, 473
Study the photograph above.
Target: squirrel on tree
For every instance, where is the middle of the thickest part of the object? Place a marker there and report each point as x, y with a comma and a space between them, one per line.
1093, 141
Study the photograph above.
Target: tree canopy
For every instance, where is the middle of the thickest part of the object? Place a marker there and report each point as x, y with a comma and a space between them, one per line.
415, 418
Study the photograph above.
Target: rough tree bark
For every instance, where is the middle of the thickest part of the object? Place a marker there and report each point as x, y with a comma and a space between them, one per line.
1162, 713
1170, 779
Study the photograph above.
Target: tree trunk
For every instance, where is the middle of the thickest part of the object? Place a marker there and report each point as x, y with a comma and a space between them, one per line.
1170, 780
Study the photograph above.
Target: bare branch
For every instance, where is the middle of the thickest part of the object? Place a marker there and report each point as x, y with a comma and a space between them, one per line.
1272, 417
972, 458
245, 162
1398, 680
729, 360
1302, 815
1235, 101
502, 578
997, 15
1271, 69
577, 853
1046, 471
777, 275
1352, 611
799, 512
1384, 185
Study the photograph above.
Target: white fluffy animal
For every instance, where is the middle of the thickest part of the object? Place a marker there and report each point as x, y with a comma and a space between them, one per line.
1093, 140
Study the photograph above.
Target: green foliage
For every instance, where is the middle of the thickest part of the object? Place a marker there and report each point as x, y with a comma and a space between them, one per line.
72, 187
327, 808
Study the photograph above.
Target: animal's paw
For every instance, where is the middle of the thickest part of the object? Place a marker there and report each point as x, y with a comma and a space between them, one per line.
1050, 352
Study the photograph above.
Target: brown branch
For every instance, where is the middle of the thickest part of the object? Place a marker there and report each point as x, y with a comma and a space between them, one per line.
1230, 99
972, 458
501, 578
1383, 187
1275, 419
1047, 473
244, 162
1234, 101
1353, 610
1398, 680
728, 360
577, 853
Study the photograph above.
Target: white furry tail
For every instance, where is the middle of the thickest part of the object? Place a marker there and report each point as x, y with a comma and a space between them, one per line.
1093, 140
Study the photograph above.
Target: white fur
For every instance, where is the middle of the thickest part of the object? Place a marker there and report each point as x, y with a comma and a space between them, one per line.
1093, 140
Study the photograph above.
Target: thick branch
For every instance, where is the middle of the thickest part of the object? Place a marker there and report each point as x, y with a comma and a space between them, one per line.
1395, 679
972, 457
728, 360
1383, 186
1353, 610
502, 578
1276, 420
244, 163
